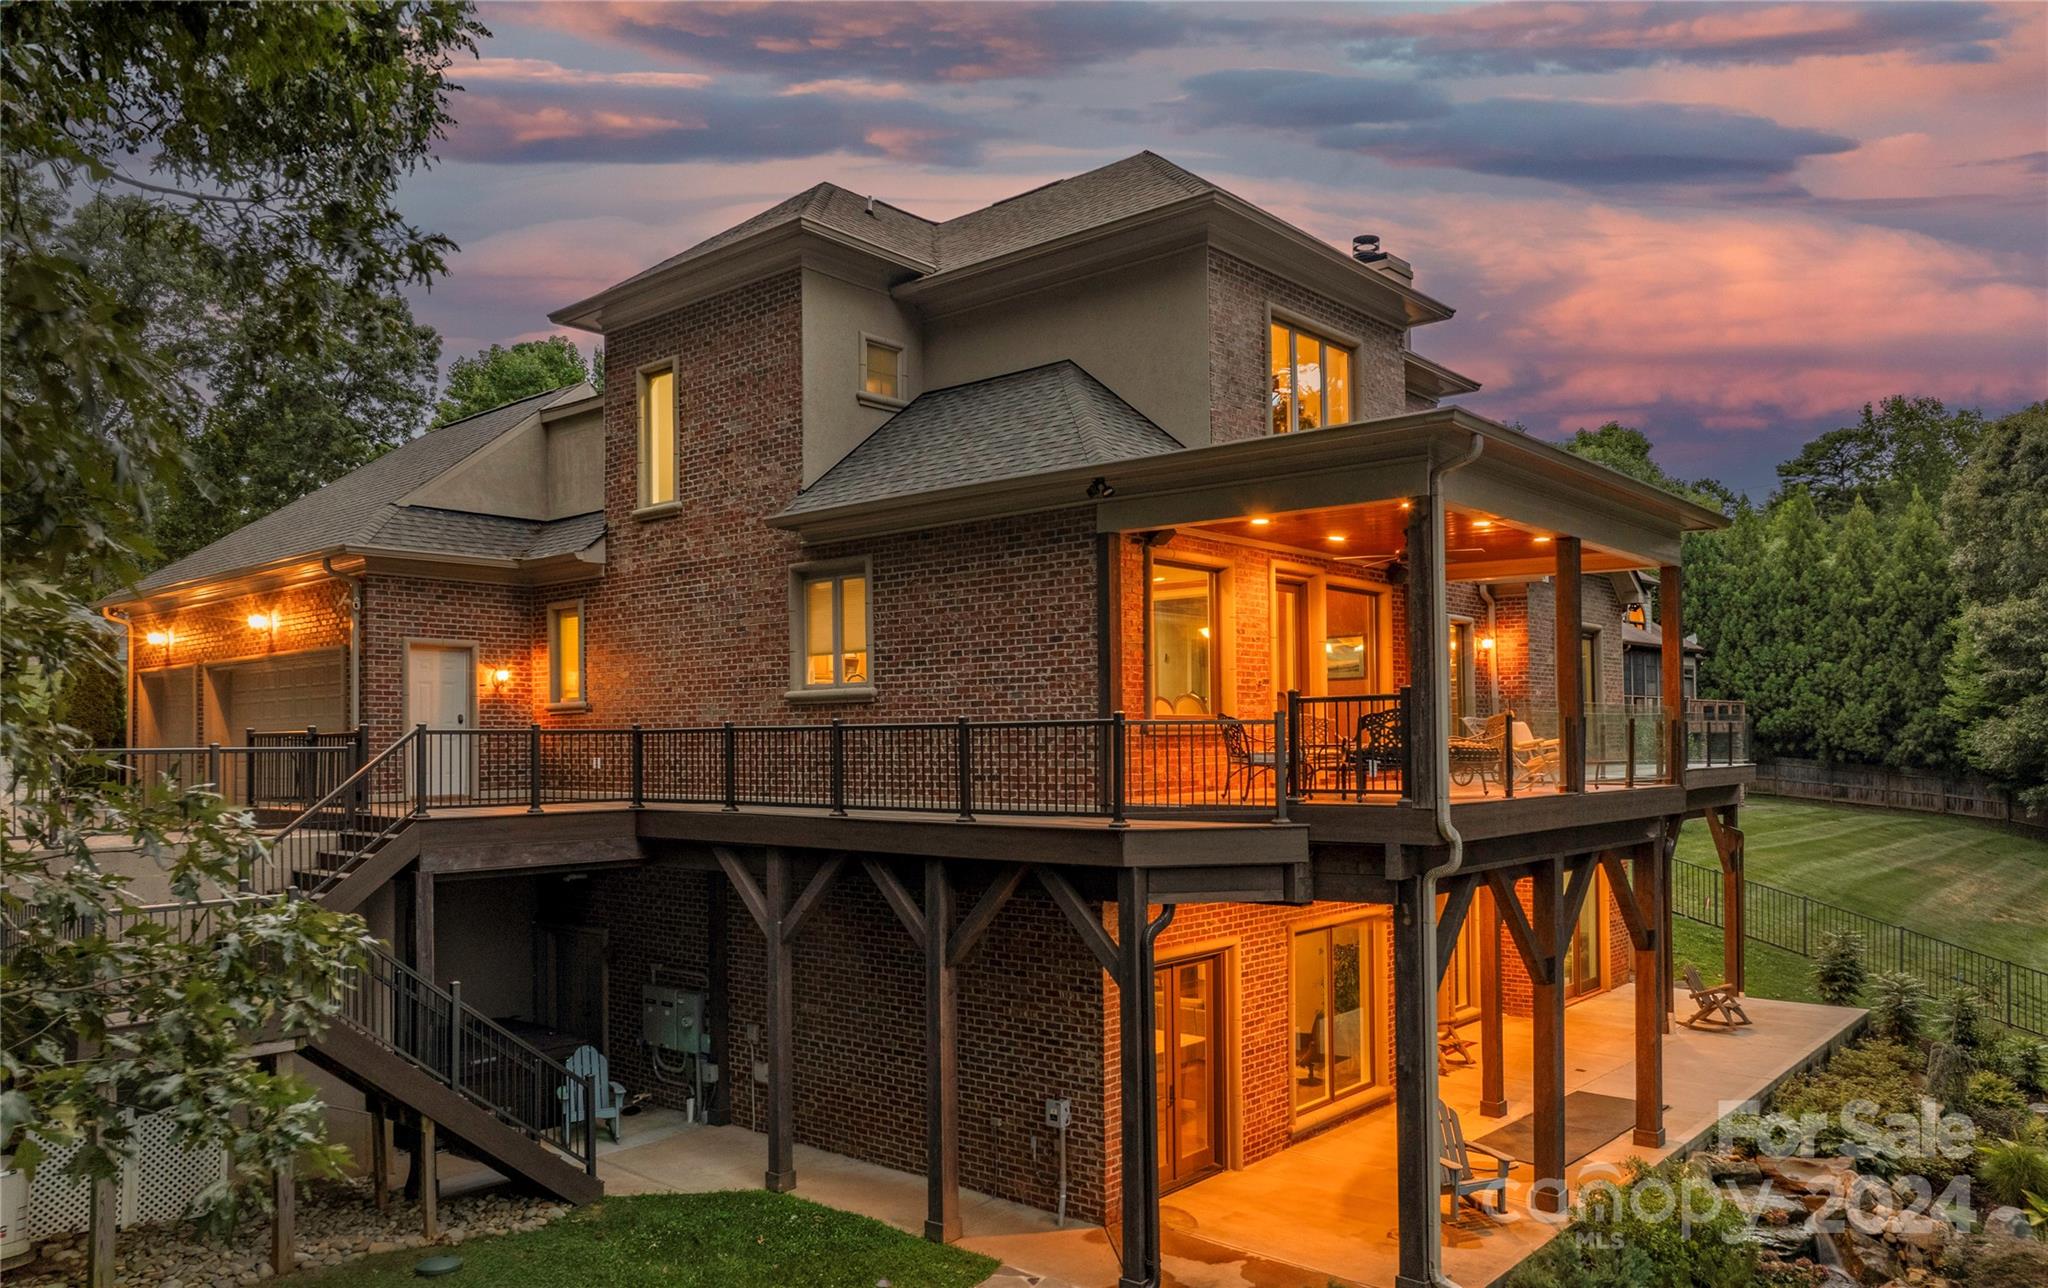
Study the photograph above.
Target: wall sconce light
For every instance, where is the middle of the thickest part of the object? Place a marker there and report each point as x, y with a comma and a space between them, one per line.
159, 639
499, 679
261, 621
1486, 642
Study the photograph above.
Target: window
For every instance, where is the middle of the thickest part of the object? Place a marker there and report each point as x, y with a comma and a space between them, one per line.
832, 629
1351, 633
881, 370
1335, 1012
1311, 380
657, 437
1184, 638
1589, 670
565, 655
1462, 698
1290, 639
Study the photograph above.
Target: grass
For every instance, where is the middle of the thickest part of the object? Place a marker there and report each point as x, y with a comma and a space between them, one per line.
1769, 972
736, 1239
1957, 879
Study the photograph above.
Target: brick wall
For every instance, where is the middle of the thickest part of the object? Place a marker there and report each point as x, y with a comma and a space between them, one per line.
499, 622
1240, 376
309, 616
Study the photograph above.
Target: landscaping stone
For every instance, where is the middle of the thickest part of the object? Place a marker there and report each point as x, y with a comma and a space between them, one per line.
1811, 1175
336, 1222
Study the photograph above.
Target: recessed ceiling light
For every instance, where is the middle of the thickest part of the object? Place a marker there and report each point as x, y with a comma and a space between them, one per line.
1335, 538
1157, 579
1405, 505
1482, 523
1542, 541
1260, 523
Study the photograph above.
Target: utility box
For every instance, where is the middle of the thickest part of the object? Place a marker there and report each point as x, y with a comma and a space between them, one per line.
672, 1019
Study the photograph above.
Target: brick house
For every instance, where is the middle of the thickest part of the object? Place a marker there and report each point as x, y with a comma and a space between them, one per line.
931, 627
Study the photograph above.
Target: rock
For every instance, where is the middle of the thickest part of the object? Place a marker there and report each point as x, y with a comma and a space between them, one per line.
1721, 1168
1868, 1259
1924, 1234
1786, 1242
1812, 1175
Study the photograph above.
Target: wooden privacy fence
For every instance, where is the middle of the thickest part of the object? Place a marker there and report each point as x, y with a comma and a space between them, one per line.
1968, 795
2016, 995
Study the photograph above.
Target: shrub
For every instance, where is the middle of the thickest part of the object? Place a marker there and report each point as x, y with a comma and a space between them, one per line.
1614, 1242
1996, 1104
1898, 1007
2009, 1170
1962, 1020
2021, 1058
1838, 974
1884, 1073
1996, 1262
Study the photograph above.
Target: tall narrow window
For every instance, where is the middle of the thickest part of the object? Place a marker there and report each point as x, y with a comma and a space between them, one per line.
657, 437
833, 630
1351, 642
1336, 1015
565, 655
881, 369
1462, 698
1290, 639
1311, 380
1184, 639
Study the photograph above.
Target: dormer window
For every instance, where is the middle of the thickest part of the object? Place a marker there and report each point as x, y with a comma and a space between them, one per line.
881, 371
658, 449
1311, 379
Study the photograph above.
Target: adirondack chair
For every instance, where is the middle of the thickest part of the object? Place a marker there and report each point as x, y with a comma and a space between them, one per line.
1462, 1177
611, 1097
1716, 1006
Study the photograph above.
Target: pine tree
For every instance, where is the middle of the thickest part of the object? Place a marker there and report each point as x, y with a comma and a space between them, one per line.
1787, 700
1851, 646
1914, 621
1723, 572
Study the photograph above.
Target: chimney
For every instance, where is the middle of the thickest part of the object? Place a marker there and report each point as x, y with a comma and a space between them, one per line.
1365, 248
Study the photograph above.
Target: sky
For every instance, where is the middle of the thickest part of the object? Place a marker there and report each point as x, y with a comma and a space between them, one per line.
1729, 225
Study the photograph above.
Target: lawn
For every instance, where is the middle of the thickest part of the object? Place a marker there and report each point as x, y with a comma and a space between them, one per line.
1772, 972
1956, 879
736, 1239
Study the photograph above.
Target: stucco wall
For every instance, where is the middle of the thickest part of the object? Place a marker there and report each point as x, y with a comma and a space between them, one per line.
836, 315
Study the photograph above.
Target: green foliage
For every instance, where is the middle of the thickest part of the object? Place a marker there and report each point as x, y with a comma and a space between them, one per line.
1963, 1025
2009, 1170
2022, 1058
1898, 1007
275, 137
1619, 447
1838, 974
1898, 447
1994, 1261
1883, 1072
1789, 701
1996, 1104
1999, 682
499, 375
1617, 1240
737, 1239
1916, 600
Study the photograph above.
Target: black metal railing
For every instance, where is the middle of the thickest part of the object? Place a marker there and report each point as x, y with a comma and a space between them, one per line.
1351, 747
2016, 994
263, 776
292, 768
325, 842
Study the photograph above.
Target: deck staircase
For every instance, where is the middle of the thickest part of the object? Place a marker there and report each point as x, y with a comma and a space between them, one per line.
399, 1035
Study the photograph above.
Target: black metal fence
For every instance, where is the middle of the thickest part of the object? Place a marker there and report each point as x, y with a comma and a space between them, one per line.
2016, 994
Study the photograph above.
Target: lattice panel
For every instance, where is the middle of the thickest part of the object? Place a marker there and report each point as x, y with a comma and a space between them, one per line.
166, 1175
56, 1203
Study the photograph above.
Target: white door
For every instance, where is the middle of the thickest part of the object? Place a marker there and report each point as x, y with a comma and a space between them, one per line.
439, 687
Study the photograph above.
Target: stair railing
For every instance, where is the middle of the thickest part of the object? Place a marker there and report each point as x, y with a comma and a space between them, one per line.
314, 851
435, 1031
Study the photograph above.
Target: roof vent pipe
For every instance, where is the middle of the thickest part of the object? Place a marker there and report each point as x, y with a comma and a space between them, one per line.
871, 205
1365, 248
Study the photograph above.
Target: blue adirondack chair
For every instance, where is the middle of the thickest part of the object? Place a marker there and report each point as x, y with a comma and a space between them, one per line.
589, 1062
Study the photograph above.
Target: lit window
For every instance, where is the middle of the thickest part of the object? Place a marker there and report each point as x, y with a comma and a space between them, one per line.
658, 437
1185, 635
565, 655
1336, 1015
1311, 380
834, 630
881, 369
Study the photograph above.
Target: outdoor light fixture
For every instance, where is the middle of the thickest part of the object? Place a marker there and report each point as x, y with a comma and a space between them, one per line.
1335, 538
1482, 523
499, 679
159, 639
260, 621
1486, 642
1205, 632
1542, 541
1260, 523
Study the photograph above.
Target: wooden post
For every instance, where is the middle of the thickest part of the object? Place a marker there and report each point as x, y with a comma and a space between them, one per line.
1671, 627
284, 1192
941, 1061
1415, 1088
1651, 1018
1728, 847
430, 1181
1571, 704
103, 1203
718, 1018
1667, 967
1428, 656
380, 1154
1493, 1095
423, 924
1138, 1092
781, 1176
1547, 1036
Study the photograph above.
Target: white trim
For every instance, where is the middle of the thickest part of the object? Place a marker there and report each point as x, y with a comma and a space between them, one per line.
555, 701
1296, 323
643, 431
801, 575
860, 382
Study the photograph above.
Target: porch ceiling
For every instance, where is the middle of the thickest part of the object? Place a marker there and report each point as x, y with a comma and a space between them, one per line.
1372, 534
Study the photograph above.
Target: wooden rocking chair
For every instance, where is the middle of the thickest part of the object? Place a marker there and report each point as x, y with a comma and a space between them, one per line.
1461, 1178
1717, 1006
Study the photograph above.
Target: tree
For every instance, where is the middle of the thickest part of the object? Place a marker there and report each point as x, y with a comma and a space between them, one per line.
1915, 610
1848, 654
1627, 450
274, 137
499, 375
1785, 693
1999, 684
1899, 446
1723, 603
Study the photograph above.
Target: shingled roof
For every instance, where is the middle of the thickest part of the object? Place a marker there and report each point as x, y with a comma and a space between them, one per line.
361, 509
1009, 426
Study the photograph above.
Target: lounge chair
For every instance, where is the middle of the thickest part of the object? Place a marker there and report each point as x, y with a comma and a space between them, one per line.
1452, 1047
611, 1097
1717, 1006
1462, 1177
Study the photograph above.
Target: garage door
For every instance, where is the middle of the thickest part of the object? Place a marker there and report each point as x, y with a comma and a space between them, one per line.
291, 692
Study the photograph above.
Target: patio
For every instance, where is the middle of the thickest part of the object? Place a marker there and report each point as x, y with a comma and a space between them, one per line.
1321, 1212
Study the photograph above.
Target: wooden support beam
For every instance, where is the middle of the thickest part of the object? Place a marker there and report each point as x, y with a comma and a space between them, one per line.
718, 1007
1728, 846
1428, 651
423, 924
1081, 916
1667, 966
1493, 1095
1536, 956
1457, 894
1547, 1041
743, 882
807, 902
380, 1154
1571, 702
1578, 888
284, 1196
898, 899
430, 1181
1651, 1018
1137, 1085
941, 1061
993, 900
1671, 636
1628, 901
1415, 1090
781, 1176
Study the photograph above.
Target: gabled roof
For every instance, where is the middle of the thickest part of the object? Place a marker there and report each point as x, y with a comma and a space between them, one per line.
361, 509
1009, 426
1116, 191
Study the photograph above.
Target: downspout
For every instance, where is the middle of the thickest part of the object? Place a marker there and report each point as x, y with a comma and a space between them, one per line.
118, 618
355, 640
1440, 751
1493, 654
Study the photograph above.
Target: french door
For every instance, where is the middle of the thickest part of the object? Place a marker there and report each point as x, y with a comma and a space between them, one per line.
1187, 1045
